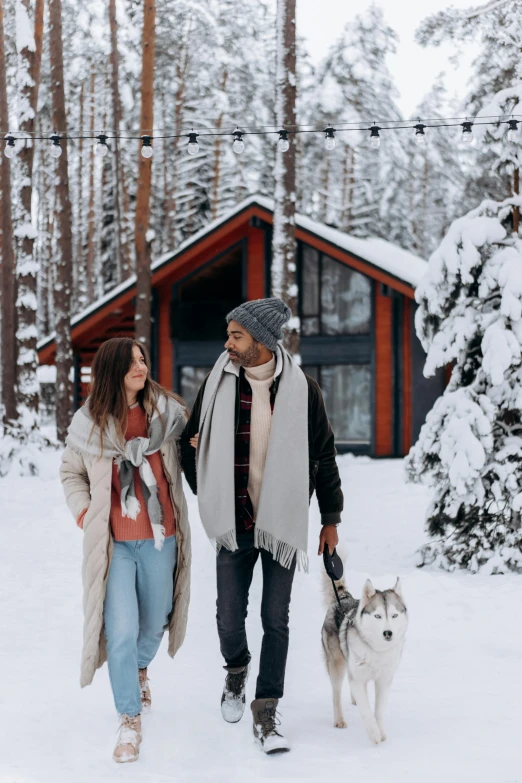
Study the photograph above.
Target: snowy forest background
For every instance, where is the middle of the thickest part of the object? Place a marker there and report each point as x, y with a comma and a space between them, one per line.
215, 68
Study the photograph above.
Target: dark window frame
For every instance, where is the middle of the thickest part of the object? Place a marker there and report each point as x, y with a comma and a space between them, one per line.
342, 445
343, 349
319, 315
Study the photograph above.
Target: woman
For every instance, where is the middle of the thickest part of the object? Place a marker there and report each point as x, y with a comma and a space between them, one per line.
122, 481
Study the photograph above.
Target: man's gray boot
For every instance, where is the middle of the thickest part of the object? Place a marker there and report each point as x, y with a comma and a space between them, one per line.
266, 725
233, 698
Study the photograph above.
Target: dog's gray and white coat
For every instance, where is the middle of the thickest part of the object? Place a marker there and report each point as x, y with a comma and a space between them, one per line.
364, 638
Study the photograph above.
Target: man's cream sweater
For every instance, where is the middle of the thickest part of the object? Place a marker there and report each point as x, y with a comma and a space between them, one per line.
260, 379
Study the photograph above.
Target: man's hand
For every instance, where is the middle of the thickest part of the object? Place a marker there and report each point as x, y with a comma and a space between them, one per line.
329, 537
194, 441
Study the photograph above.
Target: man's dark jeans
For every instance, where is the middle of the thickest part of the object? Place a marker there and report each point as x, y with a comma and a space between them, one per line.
234, 576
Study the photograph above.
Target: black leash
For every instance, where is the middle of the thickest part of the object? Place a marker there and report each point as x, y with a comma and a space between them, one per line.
334, 568
335, 591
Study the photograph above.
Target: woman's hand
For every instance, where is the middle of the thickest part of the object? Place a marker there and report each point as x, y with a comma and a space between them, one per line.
194, 441
80, 518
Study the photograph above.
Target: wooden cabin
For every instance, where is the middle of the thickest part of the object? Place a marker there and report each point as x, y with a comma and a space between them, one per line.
356, 302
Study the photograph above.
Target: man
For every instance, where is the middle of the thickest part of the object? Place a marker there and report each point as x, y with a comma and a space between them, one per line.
264, 444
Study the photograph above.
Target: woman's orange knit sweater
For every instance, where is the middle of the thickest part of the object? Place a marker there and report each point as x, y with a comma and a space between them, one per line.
125, 528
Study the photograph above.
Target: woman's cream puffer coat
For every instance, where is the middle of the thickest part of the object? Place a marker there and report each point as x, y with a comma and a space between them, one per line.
87, 484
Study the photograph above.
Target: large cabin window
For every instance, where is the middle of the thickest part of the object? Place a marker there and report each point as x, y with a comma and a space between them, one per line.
335, 300
347, 395
203, 299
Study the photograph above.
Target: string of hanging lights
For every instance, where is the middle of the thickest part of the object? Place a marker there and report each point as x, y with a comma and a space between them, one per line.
283, 142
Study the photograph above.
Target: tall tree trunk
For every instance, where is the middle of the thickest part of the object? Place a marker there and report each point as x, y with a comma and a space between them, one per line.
516, 191
284, 279
43, 187
91, 218
63, 289
181, 73
348, 188
122, 246
216, 178
8, 256
80, 284
29, 67
142, 243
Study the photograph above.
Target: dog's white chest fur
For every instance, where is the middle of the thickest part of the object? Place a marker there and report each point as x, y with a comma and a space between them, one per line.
365, 663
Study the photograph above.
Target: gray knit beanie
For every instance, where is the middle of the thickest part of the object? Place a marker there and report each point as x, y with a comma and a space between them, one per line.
263, 319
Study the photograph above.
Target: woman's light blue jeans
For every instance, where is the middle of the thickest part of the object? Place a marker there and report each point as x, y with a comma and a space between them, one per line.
138, 602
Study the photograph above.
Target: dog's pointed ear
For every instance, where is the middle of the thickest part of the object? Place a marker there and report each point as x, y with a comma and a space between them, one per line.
367, 593
398, 589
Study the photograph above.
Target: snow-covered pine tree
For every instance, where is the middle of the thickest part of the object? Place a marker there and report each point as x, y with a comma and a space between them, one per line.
470, 314
470, 448
437, 175
357, 187
494, 88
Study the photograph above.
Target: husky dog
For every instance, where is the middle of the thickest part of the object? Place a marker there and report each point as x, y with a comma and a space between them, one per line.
366, 637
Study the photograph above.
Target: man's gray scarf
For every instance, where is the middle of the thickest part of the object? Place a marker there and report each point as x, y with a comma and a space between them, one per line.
167, 423
282, 518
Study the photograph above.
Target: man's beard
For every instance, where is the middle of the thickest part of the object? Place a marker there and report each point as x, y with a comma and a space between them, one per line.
248, 358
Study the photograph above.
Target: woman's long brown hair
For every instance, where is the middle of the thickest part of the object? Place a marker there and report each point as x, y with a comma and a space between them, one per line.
107, 395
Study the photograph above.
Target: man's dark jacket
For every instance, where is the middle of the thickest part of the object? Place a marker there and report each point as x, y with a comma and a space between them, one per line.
324, 475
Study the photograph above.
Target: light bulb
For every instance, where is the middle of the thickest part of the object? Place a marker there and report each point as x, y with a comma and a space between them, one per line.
512, 133
420, 136
329, 143
238, 145
56, 149
146, 147
283, 145
329, 139
10, 149
467, 132
375, 139
101, 149
193, 146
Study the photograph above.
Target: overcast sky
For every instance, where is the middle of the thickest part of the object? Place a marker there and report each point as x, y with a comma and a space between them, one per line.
415, 68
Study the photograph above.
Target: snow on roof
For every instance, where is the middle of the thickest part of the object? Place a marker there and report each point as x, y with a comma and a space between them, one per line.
385, 255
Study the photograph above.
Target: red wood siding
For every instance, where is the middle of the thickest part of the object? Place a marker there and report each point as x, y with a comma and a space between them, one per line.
165, 365
407, 377
383, 375
256, 263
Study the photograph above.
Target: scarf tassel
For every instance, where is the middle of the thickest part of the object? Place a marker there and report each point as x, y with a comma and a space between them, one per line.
227, 540
130, 506
280, 551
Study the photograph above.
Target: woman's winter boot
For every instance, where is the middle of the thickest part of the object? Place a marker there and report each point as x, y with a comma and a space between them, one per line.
129, 739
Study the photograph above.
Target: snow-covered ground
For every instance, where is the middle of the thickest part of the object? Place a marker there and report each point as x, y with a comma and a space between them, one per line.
455, 710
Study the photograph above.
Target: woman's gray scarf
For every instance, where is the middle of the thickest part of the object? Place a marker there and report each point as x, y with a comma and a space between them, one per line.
167, 423
282, 517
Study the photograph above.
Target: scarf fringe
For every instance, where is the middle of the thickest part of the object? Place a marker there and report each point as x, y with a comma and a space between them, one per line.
227, 540
158, 531
280, 551
130, 507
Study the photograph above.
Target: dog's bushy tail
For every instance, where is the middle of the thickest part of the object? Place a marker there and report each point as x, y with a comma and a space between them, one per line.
327, 588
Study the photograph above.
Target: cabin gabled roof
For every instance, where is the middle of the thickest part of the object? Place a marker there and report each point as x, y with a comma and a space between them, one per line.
398, 264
